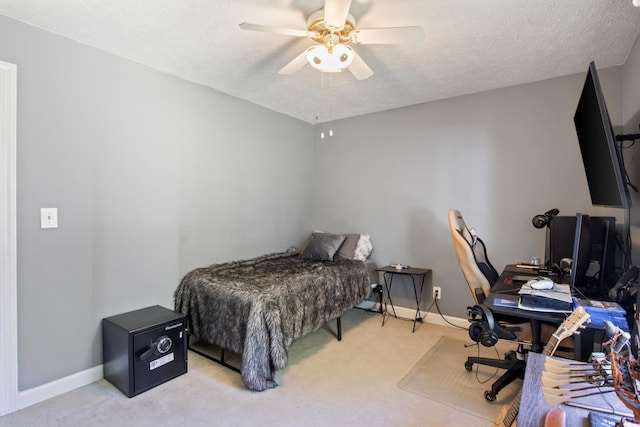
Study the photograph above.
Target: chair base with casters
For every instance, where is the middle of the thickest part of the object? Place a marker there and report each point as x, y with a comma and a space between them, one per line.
484, 330
514, 362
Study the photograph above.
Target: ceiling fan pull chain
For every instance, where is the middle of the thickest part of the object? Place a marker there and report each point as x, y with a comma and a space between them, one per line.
324, 101
330, 103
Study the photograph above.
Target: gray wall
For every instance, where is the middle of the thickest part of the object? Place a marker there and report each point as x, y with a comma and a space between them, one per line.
500, 157
631, 124
151, 176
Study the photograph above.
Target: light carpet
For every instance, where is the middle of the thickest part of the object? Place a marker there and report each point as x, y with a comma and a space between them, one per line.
440, 375
327, 382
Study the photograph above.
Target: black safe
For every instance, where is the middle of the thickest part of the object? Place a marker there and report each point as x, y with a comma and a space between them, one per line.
144, 348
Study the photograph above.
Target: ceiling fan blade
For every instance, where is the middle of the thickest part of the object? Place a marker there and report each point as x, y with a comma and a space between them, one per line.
295, 65
359, 68
335, 13
388, 35
276, 30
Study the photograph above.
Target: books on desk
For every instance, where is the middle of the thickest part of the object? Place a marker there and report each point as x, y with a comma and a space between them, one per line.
504, 302
604, 310
555, 300
559, 300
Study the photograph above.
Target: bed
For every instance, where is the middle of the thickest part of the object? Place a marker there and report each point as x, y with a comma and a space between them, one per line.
258, 307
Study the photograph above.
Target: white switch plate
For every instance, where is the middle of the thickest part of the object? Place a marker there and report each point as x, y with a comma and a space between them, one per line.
49, 218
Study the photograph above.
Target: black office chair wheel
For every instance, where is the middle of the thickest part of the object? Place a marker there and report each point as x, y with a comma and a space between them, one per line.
490, 396
468, 366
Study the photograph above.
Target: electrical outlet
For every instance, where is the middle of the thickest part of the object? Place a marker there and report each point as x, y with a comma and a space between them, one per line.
437, 292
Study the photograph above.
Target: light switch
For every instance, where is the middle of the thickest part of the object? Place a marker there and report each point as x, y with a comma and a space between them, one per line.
49, 218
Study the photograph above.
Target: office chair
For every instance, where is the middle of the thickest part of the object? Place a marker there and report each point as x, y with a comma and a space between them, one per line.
485, 328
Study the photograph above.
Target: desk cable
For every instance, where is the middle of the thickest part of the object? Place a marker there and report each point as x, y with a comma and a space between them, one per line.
492, 376
480, 381
435, 302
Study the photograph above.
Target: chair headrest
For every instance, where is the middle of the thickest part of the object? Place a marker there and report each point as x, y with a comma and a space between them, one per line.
469, 234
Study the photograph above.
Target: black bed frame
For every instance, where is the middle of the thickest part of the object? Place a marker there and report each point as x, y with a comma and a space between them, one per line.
222, 361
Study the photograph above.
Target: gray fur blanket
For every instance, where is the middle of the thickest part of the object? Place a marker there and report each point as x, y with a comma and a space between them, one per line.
258, 307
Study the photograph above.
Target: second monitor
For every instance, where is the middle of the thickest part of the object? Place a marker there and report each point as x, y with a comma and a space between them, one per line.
561, 242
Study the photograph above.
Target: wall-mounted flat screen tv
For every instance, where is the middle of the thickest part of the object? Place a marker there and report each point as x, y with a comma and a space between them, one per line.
597, 140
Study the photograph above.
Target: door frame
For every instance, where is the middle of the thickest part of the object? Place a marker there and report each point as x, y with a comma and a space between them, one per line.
8, 246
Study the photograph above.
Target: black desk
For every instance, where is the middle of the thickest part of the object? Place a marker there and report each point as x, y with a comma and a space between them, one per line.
507, 288
411, 272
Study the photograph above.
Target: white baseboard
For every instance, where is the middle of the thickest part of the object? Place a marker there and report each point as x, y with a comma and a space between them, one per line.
409, 313
54, 388
432, 317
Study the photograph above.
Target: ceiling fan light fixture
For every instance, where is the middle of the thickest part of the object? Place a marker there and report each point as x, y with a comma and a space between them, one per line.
330, 61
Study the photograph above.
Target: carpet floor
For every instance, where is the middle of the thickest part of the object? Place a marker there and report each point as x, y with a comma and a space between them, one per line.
440, 376
352, 382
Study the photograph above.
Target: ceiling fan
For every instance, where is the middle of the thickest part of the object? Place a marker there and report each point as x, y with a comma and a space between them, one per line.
332, 28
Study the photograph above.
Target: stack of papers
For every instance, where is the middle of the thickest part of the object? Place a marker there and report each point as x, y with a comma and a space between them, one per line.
556, 300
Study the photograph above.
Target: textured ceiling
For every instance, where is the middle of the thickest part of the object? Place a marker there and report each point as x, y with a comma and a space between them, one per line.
469, 46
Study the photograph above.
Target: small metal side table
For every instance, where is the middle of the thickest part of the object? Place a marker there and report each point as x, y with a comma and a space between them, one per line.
388, 273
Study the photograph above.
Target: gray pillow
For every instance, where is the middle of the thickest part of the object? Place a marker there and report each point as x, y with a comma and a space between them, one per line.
348, 248
323, 246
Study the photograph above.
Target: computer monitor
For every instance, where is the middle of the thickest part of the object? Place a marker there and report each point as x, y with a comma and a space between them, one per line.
603, 249
559, 240
581, 258
561, 232
602, 163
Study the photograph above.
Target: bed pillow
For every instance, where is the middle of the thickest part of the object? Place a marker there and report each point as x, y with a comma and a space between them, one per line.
348, 247
323, 246
363, 248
